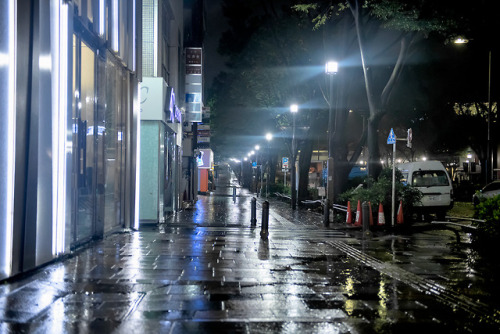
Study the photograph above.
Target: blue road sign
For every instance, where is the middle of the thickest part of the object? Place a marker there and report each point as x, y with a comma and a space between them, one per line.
392, 137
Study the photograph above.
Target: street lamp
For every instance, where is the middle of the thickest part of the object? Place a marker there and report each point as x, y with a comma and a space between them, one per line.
293, 109
269, 137
331, 68
489, 158
257, 148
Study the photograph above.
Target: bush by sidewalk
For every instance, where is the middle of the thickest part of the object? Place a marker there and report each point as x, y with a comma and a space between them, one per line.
488, 210
380, 191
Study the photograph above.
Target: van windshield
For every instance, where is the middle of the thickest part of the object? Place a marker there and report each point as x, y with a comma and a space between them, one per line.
430, 178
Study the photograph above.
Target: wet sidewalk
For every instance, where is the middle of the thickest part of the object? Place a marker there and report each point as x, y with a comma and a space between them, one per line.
206, 270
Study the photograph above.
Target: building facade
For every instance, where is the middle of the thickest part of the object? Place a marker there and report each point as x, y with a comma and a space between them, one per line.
162, 90
70, 73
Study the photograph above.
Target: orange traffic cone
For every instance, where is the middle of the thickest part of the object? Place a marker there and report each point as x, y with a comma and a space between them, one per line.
349, 214
358, 221
400, 219
381, 217
371, 213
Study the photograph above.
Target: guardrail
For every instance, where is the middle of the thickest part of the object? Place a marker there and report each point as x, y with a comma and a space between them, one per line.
469, 228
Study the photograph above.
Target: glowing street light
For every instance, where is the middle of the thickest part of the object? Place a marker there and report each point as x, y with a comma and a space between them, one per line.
293, 109
269, 137
331, 68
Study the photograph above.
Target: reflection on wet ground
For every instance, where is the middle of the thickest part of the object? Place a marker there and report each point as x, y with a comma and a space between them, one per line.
207, 270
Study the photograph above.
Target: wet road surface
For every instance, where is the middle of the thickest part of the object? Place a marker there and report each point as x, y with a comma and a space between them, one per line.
206, 270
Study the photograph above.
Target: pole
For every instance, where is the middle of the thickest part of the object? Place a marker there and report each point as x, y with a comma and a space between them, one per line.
253, 212
393, 199
489, 156
330, 165
264, 230
292, 181
326, 212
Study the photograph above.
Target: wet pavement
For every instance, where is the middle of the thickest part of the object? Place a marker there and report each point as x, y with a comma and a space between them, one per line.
206, 270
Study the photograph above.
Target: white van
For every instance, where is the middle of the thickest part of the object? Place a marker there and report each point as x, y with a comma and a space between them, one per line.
432, 179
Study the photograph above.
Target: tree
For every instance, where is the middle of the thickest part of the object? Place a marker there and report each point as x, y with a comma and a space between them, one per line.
270, 49
403, 24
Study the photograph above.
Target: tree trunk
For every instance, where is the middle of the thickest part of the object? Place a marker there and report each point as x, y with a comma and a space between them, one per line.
374, 165
304, 165
272, 169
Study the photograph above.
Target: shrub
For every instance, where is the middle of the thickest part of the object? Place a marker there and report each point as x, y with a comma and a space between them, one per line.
380, 191
488, 210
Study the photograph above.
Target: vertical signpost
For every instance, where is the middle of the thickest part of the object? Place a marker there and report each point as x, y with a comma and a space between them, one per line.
284, 166
392, 140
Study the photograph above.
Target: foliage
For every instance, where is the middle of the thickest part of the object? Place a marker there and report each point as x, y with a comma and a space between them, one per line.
279, 188
380, 191
488, 210
269, 52
405, 24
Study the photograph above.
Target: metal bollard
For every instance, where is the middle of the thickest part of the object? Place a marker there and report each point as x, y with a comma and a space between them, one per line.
253, 214
365, 212
234, 192
326, 213
264, 231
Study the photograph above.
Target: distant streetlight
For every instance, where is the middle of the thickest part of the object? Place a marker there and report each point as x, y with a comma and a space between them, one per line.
489, 158
331, 68
293, 109
269, 137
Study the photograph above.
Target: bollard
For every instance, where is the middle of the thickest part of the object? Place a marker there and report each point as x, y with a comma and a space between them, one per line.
264, 231
366, 217
234, 192
253, 218
326, 213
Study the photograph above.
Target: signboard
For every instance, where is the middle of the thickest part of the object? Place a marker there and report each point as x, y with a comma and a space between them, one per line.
284, 162
153, 104
204, 159
193, 56
193, 70
392, 138
194, 84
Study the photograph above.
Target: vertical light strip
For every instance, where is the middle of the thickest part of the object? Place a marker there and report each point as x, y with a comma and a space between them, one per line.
9, 60
115, 19
137, 157
155, 38
60, 61
134, 34
102, 18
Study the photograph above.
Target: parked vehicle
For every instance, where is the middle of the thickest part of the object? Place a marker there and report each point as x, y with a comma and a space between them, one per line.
432, 179
490, 190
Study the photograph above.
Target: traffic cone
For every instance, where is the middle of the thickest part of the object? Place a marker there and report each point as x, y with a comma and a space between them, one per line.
371, 213
381, 217
349, 214
358, 221
400, 219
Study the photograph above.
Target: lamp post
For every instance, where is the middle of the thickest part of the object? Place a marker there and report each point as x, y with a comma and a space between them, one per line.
293, 109
269, 137
331, 68
489, 157
257, 148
